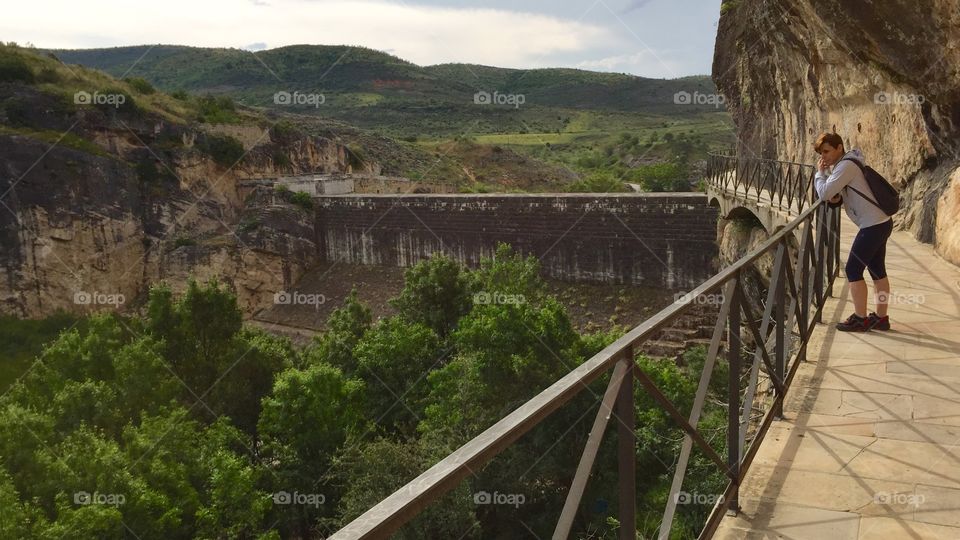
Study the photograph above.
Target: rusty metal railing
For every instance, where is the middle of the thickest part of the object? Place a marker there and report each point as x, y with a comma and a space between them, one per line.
785, 184
805, 262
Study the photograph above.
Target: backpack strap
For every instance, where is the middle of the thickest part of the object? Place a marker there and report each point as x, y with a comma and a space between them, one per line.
857, 191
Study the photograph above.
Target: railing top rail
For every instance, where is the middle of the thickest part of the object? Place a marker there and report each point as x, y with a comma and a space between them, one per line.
396, 509
740, 158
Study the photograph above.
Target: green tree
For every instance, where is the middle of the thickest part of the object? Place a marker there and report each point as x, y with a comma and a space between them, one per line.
436, 292
374, 470
307, 418
13, 68
248, 373
197, 329
234, 507
599, 182
15, 519
345, 326
23, 434
143, 381
225, 150
394, 359
140, 85
508, 273
661, 177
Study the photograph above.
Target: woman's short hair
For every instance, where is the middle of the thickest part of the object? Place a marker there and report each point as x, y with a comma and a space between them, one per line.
832, 139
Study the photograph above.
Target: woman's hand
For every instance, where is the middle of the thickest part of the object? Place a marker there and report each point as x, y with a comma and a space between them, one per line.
835, 199
822, 165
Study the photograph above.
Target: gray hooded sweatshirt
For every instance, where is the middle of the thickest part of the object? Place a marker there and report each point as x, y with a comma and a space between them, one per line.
861, 212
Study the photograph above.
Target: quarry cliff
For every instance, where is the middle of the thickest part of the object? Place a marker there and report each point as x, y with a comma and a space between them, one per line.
884, 75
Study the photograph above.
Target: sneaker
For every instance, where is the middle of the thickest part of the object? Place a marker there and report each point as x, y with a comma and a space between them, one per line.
854, 323
879, 323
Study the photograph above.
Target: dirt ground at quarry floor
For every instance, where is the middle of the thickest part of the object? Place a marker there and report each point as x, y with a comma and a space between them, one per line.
591, 306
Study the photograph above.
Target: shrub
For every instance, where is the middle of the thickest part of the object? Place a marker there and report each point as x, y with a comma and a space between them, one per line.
184, 241
728, 5
661, 177
128, 105
301, 199
147, 171
48, 75
281, 160
598, 182
355, 157
248, 225
17, 111
15, 69
285, 132
225, 150
217, 110
140, 85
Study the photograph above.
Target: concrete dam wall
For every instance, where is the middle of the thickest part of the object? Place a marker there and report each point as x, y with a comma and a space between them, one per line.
665, 240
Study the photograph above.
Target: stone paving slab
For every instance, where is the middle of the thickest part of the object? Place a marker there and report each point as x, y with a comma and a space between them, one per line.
870, 443
895, 527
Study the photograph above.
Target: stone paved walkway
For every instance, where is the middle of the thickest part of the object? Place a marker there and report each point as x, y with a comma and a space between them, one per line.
870, 447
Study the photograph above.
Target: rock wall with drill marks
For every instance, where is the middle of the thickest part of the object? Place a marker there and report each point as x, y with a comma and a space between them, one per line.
664, 240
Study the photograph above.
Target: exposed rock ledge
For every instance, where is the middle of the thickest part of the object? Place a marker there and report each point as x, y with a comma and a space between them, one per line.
886, 77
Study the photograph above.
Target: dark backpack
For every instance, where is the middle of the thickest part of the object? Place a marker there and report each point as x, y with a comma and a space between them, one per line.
885, 196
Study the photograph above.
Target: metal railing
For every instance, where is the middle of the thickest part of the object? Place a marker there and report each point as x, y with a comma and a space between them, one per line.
788, 185
805, 263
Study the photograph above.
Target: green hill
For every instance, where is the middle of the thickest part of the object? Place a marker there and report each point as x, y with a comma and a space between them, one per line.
587, 122
372, 89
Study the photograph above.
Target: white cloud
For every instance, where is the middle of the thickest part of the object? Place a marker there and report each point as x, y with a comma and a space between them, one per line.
421, 34
648, 63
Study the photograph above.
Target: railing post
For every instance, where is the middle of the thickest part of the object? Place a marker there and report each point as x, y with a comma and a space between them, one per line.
831, 253
818, 254
836, 237
627, 454
733, 397
780, 319
804, 289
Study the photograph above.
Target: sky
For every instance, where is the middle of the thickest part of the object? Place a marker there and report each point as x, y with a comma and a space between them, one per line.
650, 38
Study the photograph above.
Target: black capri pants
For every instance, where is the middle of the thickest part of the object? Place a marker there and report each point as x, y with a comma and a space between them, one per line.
869, 251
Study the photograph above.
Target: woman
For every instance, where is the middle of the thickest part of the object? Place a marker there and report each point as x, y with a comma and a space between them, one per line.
836, 170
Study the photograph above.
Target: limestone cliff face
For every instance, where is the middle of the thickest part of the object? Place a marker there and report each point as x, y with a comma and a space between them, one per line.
91, 225
885, 75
